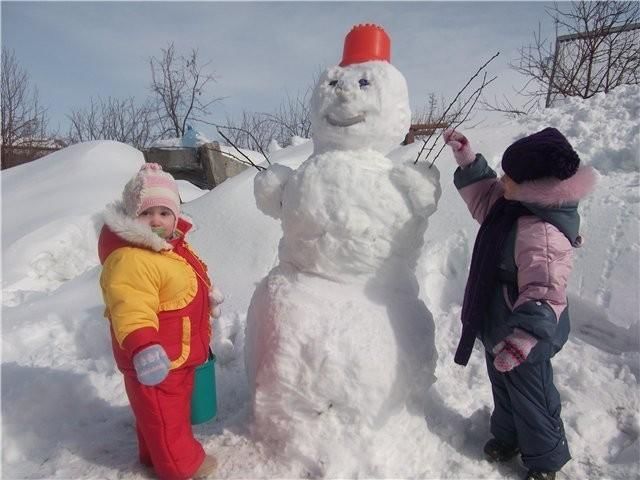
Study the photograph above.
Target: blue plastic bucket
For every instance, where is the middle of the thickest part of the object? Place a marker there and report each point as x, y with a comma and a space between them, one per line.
204, 401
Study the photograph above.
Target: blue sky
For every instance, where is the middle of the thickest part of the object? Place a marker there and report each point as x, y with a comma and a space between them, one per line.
261, 51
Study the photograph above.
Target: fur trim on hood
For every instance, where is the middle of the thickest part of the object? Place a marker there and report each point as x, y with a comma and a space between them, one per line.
132, 231
554, 192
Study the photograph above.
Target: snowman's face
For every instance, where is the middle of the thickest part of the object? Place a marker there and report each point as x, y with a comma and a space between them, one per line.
360, 106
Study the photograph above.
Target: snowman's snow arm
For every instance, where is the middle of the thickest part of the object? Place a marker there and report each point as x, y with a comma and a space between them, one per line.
268, 186
419, 185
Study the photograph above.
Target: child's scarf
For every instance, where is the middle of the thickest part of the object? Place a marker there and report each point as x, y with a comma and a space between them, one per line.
483, 273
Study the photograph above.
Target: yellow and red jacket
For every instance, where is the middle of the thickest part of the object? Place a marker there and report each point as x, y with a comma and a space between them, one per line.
155, 291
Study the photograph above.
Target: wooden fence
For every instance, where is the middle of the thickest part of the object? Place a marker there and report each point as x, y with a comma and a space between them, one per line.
423, 130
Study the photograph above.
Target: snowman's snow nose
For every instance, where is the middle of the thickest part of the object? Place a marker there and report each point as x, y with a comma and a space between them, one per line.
344, 92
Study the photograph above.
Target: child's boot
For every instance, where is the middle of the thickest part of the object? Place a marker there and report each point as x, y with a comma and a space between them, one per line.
538, 475
497, 451
207, 469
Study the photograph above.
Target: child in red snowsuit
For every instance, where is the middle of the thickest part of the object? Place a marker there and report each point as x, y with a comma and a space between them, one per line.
158, 300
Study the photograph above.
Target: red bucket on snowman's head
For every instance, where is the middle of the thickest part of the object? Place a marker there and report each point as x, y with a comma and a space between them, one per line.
365, 43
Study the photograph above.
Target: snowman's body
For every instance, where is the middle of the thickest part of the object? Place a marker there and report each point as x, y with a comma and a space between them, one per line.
335, 228
337, 339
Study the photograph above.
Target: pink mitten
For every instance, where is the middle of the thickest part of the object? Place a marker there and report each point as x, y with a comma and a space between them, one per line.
513, 350
460, 146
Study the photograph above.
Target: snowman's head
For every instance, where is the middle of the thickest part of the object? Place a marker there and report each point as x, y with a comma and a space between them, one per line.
360, 106
363, 103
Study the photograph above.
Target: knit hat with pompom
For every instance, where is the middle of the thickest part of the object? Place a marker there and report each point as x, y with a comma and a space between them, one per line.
151, 187
544, 154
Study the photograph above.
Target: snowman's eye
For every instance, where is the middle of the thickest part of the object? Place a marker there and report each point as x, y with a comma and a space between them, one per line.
333, 83
363, 82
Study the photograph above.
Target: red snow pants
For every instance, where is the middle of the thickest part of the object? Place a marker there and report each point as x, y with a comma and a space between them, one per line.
163, 424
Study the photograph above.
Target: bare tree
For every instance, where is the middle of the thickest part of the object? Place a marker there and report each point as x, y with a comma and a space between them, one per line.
179, 85
429, 112
252, 131
293, 118
256, 131
114, 119
599, 49
24, 120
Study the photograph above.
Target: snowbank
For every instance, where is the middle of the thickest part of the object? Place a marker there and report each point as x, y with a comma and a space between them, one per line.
64, 408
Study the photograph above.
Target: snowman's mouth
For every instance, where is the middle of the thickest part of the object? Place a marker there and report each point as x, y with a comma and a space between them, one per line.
345, 122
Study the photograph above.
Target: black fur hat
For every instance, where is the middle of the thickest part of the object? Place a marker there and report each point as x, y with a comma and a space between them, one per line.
544, 154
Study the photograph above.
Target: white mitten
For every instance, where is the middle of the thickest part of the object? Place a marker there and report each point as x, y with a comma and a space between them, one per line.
216, 297
151, 364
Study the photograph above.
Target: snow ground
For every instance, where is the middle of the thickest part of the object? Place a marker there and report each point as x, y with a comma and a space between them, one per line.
64, 411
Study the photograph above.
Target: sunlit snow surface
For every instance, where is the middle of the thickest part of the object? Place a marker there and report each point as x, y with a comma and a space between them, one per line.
64, 410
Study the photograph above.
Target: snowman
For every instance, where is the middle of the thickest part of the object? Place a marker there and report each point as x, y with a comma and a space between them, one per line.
339, 349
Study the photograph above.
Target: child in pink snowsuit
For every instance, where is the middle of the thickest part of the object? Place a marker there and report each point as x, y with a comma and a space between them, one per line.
515, 300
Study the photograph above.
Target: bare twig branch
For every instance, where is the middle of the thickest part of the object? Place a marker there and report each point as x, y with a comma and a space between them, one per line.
228, 154
246, 132
474, 96
257, 167
444, 114
503, 105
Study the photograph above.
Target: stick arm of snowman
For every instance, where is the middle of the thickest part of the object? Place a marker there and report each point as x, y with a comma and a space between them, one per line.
268, 186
